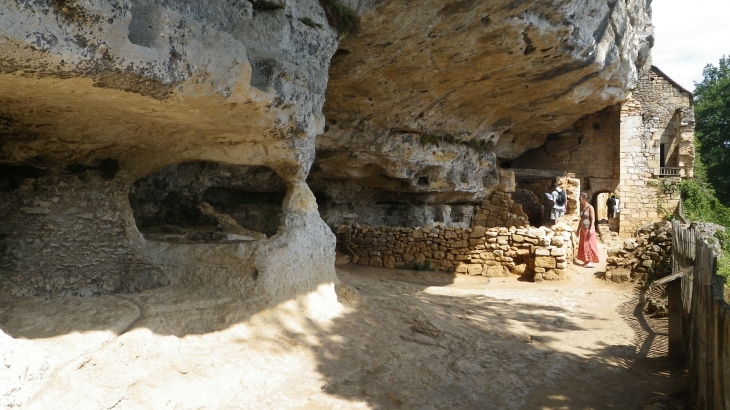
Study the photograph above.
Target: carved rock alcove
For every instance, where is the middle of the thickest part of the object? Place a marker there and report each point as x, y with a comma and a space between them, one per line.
208, 202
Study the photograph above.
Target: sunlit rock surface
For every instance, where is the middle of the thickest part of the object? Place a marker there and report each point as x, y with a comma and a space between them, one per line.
95, 95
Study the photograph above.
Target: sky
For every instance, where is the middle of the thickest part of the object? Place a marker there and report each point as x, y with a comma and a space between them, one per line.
689, 34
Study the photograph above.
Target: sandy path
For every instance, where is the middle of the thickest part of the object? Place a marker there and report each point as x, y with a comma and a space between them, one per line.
415, 340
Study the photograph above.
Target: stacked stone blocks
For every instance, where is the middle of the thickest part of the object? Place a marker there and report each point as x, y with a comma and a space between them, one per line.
500, 210
649, 256
498, 251
657, 108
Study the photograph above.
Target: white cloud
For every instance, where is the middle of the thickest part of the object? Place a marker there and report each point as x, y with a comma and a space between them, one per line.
689, 35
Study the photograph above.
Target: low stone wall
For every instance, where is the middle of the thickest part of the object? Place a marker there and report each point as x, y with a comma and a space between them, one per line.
649, 255
532, 206
500, 210
540, 252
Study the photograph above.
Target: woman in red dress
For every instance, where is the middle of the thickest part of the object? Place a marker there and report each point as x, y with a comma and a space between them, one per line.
587, 244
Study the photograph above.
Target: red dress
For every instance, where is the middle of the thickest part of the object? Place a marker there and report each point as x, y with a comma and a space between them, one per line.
587, 243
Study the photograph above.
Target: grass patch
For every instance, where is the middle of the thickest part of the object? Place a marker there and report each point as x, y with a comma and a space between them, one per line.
309, 22
344, 19
480, 145
437, 138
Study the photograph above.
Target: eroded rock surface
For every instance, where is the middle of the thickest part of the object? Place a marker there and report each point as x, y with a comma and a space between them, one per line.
99, 94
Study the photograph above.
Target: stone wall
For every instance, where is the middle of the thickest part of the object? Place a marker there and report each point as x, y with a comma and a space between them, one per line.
500, 242
500, 210
474, 251
532, 205
589, 150
668, 117
658, 112
64, 235
649, 255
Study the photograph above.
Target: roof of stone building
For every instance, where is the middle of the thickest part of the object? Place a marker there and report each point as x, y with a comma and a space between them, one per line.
676, 84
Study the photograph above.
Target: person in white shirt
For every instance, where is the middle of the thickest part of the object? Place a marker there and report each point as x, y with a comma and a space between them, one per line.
560, 199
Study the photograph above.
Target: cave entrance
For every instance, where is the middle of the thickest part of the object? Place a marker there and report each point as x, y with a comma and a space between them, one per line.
200, 201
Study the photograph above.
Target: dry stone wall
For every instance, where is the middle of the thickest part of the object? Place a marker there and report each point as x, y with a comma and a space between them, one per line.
473, 251
499, 243
649, 255
500, 210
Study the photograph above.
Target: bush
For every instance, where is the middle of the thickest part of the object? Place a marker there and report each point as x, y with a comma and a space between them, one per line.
700, 204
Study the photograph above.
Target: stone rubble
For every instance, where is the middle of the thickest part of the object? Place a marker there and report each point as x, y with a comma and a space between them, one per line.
649, 256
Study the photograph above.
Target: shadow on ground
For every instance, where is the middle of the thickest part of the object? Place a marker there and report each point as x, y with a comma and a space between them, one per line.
407, 340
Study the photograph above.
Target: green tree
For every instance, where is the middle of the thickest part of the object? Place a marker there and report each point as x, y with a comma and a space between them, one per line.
712, 130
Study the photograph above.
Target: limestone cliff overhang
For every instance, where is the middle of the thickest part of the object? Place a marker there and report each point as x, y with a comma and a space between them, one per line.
429, 97
502, 72
96, 95
153, 83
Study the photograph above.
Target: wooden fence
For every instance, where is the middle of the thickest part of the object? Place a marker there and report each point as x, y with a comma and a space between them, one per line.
705, 320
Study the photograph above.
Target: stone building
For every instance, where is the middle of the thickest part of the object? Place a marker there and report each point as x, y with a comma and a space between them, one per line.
656, 142
636, 150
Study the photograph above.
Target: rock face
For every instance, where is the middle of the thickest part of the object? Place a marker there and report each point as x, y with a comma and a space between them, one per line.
97, 95
120, 120
425, 99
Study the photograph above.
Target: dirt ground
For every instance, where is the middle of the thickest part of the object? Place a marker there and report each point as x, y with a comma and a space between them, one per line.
404, 340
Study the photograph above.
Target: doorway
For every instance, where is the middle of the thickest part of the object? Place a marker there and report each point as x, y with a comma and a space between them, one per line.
599, 203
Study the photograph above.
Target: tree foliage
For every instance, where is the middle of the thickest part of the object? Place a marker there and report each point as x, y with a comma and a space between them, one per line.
700, 204
712, 130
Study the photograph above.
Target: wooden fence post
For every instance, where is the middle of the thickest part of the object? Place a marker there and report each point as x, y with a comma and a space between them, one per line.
674, 294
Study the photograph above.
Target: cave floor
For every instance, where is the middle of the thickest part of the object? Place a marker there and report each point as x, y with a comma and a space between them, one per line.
406, 340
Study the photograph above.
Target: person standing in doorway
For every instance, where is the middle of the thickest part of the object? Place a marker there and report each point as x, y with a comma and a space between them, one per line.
587, 243
560, 199
612, 204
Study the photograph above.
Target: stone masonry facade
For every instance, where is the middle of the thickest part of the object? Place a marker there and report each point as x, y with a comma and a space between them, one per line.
589, 151
635, 150
657, 117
